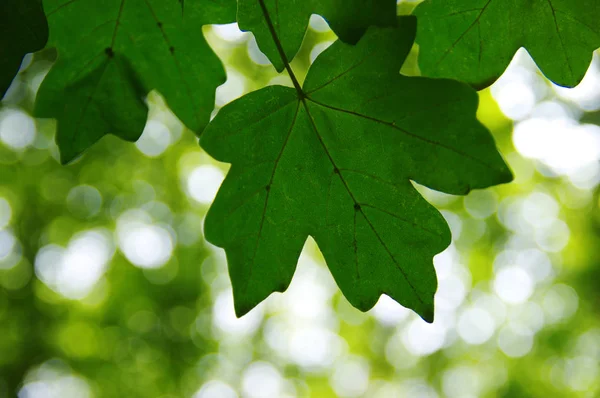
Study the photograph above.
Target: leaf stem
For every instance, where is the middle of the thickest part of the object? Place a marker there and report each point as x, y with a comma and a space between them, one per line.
288, 68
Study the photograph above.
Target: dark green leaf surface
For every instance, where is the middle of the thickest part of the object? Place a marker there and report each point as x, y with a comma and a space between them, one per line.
474, 41
335, 162
347, 18
23, 29
112, 53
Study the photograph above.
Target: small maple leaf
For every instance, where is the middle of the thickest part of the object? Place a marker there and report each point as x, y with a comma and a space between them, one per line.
349, 19
107, 65
482, 36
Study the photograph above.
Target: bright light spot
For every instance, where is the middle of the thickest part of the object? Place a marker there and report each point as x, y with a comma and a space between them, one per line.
461, 381
281, 80
62, 387
84, 201
422, 338
415, 388
537, 264
232, 89
318, 24
396, 353
562, 144
17, 128
451, 292
145, 245
34, 82
540, 209
510, 214
318, 49
158, 211
383, 389
155, 139
445, 262
7, 243
229, 32
454, 222
203, 183
436, 198
475, 326
309, 295
529, 315
10, 250
552, 109
388, 312
513, 285
515, 341
5, 212
313, 347
215, 389
74, 271
492, 305
587, 177
350, 377
588, 343
586, 95
257, 56
262, 380
481, 204
226, 322
581, 373
554, 238
276, 332
519, 88
559, 303
515, 98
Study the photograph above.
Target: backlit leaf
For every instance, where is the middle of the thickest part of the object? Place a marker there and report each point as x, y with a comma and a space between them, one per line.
474, 41
112, 53
335, 161
348, 18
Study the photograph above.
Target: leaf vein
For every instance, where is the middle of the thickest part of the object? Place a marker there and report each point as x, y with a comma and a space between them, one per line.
416, 136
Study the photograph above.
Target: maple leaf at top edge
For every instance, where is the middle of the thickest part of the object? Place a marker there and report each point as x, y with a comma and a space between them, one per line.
23, 29
349, 19
475, 41
111, 53
335, 163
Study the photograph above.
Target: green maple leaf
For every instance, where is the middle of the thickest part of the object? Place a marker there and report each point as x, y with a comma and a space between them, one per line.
334, 160
23, 29
112, 53
348, 19
474, 41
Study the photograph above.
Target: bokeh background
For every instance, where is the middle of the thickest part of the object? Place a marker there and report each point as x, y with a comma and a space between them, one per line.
108, 288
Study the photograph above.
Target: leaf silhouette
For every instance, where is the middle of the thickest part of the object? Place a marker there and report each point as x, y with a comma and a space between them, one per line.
23, 29
348, 19
112, 53
334, 160
475, 41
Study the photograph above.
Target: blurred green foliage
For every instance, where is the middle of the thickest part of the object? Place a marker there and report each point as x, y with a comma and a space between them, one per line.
107, 287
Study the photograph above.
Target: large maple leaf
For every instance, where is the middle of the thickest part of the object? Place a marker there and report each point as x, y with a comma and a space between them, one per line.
335, 160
